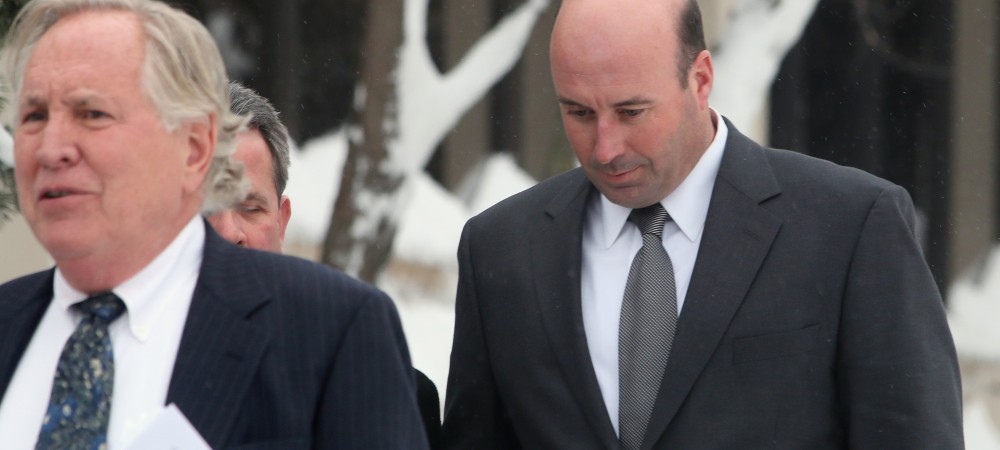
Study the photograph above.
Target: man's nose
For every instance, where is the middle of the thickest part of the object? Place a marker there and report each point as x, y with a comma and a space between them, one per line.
227, 225
608, 141
59, 146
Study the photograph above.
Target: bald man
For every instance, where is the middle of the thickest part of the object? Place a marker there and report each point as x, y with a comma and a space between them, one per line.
686, 288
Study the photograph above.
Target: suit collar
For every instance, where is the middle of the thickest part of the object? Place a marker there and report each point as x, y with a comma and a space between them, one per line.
220, 348
745, 167
738, 230
226, 273
687, 204
25, 293
738, 235
22, 304
556, 254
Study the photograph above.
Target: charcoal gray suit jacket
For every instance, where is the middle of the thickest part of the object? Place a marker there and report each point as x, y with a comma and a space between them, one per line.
811, 321
276, 353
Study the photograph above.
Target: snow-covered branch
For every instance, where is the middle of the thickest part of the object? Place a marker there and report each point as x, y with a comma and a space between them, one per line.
757, 37
431, 104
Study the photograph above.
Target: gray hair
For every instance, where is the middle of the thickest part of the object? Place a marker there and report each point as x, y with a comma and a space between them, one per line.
264, 118
183, 76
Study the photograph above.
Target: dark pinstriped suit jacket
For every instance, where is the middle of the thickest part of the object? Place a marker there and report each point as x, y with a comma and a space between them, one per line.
811, 321
277, 352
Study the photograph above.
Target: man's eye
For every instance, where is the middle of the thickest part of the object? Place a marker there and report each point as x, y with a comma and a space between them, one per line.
92, 114
632, 112
250, 209
578, 112
33, 116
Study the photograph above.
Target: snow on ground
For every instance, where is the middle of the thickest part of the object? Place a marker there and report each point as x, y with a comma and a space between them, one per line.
430, 225
974, 310
313, 183
980, 428
423, 271
498, 179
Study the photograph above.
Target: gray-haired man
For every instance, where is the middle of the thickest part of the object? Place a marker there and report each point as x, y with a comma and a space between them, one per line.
122, 134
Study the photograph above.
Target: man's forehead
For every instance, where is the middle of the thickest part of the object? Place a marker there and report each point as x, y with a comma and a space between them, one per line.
606, 34
254, 153
96, 39
597, 78
95, 27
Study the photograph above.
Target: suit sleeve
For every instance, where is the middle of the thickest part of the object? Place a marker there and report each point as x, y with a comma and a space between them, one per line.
372, 374
897, 371
474, 416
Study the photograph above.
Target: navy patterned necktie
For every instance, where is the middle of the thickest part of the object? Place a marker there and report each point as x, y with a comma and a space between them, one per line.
77, 416
646, 328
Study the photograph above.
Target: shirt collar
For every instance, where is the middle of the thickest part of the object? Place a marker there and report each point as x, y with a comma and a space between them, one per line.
688, 203
179, 260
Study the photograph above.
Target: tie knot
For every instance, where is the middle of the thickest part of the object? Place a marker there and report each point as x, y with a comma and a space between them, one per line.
105, 305
650, 219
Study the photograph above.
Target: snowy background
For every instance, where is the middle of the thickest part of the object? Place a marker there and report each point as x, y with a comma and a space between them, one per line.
422, 272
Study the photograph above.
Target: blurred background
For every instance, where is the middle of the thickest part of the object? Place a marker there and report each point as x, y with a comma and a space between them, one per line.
409, 116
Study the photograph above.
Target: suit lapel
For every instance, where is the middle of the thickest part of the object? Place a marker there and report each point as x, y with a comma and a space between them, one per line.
220, 348
21, 311
556, 254
738, 234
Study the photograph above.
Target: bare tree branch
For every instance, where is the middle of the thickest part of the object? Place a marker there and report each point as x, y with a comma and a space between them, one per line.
426, 97
750, 52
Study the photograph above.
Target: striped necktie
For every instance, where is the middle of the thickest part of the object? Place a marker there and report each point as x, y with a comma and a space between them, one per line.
646, 328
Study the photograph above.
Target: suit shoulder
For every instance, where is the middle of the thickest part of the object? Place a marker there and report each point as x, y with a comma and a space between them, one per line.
301, 281
27, 283
815, 176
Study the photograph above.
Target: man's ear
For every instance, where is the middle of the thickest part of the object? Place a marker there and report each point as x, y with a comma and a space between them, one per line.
201, 141
284, 213
701, 76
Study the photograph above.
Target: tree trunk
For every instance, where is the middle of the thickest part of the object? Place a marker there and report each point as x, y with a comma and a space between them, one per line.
364, 222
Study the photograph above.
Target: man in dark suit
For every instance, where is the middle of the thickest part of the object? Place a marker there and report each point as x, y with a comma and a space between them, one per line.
791, 306
122, 134
259, 221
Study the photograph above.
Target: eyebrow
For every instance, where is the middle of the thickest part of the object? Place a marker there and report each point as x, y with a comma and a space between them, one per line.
256, 197
33, 101
77, 102
634, 101
568, 102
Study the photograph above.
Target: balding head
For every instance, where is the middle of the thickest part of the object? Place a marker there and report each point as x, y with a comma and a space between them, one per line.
671, 28
634, 93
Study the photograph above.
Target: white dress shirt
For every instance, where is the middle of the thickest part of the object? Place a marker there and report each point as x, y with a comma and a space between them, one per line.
610, 242
145, 341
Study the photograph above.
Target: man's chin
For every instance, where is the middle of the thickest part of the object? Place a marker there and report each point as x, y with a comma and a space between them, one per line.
629, 196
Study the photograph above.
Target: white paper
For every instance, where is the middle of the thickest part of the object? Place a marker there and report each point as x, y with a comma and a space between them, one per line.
169, 430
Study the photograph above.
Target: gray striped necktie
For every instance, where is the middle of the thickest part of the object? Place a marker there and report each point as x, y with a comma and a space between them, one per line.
78, 411
646, 328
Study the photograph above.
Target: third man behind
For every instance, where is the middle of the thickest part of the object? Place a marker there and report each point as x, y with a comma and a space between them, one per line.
260, 220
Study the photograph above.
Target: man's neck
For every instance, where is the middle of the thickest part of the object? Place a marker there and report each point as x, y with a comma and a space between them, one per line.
103, 271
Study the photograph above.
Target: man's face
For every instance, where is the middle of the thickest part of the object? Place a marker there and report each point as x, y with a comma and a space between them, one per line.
260, 220
636, 132
98, 175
